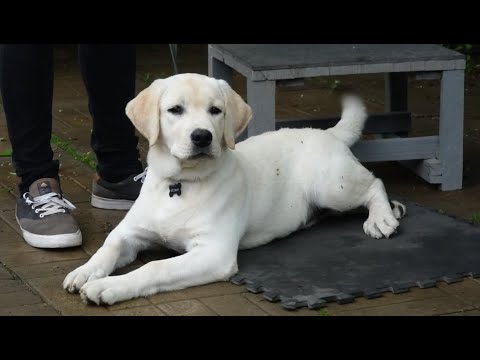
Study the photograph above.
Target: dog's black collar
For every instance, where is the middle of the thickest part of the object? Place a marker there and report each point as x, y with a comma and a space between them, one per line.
175, 189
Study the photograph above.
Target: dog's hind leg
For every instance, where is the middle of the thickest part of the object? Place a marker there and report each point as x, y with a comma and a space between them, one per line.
381, 218
352, 186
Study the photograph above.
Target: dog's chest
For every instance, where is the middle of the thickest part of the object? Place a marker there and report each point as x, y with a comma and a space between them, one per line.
177, 216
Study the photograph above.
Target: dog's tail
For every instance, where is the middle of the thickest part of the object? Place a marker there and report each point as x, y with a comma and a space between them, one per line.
354, 114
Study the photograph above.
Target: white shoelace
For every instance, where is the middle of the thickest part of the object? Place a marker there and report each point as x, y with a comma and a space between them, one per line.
141, 176
48, 204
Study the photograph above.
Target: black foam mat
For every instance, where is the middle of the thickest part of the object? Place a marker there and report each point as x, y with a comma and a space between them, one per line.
336, 261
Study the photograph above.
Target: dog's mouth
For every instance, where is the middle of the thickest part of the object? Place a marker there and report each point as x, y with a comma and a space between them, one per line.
194, 155
197, 156
200, 156
195, 160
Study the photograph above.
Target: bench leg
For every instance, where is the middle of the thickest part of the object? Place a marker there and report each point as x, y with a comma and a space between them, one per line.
219, 70
396, 94
451, 129
261, 97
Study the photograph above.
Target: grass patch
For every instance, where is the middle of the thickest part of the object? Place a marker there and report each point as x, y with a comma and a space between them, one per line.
147, 78
6, 153
88, 158
334, 84
4, 188
323, 312
475, 218
441, 211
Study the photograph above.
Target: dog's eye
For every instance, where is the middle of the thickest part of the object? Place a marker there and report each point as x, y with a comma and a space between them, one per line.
214, 110
177, 110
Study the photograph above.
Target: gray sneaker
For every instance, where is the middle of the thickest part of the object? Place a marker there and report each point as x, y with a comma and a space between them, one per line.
44, 217
116, 196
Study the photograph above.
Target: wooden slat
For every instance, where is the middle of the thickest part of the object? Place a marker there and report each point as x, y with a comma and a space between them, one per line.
376, 123
430, 170
424, 147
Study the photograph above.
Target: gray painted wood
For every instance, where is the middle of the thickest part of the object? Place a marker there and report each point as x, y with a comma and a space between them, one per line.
396, 96
352, 70
450, 151
290, 61
218, 69
430, 170
376, 123
262, 57
215, 52
424, 147
396, 92
432, 75
291, 82
263, 64
261, 98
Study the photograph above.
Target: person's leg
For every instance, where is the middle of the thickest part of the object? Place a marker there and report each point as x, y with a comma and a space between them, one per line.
109, 75
108, 72
26, 85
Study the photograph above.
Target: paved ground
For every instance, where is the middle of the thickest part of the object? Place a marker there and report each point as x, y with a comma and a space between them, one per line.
30, 279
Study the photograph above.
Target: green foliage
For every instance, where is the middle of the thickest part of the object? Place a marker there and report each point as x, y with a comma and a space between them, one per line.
6, 153
465, 49
475, 218
87, 158
323, 312
147, 79
4, 188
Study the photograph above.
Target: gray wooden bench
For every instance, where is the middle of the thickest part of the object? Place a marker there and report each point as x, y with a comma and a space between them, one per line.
437, 159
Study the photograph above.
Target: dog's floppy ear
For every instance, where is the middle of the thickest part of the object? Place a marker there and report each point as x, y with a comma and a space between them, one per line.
237, 114
144, 110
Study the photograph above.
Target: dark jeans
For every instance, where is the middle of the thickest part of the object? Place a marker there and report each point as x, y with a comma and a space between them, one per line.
26, 86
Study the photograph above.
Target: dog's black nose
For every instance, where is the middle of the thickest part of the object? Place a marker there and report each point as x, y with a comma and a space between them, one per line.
200, 137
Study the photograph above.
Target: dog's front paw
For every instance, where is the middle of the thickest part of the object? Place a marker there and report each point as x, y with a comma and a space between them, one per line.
106, 291
83, 274
379, 225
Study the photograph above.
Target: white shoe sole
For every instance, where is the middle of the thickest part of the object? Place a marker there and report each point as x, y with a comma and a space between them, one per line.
111, 204
52, 241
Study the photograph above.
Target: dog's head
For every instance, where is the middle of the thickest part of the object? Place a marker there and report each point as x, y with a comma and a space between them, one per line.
193, 116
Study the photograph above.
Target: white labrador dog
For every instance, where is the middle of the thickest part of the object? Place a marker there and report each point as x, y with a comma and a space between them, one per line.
206, 198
